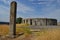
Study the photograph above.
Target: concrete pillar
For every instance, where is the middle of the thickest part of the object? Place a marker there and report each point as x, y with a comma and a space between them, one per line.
29, 21
33, 22
13, 19
25, 21
38, 23
22, 20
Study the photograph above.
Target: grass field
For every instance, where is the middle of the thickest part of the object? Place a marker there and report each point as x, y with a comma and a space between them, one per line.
50, 34
4, 29
44, 34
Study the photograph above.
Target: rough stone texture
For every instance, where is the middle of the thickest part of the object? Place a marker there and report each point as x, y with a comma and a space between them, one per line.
40, 21
13, 19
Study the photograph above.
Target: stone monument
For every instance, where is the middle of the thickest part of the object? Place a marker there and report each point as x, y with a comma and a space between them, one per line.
40, 21
13, 8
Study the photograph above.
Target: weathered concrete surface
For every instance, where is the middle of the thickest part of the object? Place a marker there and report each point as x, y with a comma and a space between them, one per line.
13, 19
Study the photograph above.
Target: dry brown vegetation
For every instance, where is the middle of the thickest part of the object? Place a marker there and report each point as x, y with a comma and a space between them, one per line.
44, 34
50, 34
4, 29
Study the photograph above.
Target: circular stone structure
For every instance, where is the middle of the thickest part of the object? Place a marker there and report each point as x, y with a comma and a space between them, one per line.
40, 21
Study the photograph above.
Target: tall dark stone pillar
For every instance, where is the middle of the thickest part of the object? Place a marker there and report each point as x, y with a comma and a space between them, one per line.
13, 19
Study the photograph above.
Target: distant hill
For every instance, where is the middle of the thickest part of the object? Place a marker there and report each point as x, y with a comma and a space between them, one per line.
4, 22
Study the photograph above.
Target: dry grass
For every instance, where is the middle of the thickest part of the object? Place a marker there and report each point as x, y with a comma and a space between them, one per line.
44, 34
50, 34
4, 29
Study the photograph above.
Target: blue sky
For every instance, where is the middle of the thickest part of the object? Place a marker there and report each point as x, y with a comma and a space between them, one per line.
31, 9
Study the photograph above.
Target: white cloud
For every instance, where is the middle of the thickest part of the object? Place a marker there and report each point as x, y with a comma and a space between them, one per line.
55, 14
51, 12
23, 8
5, 11
6, 1
47, 2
